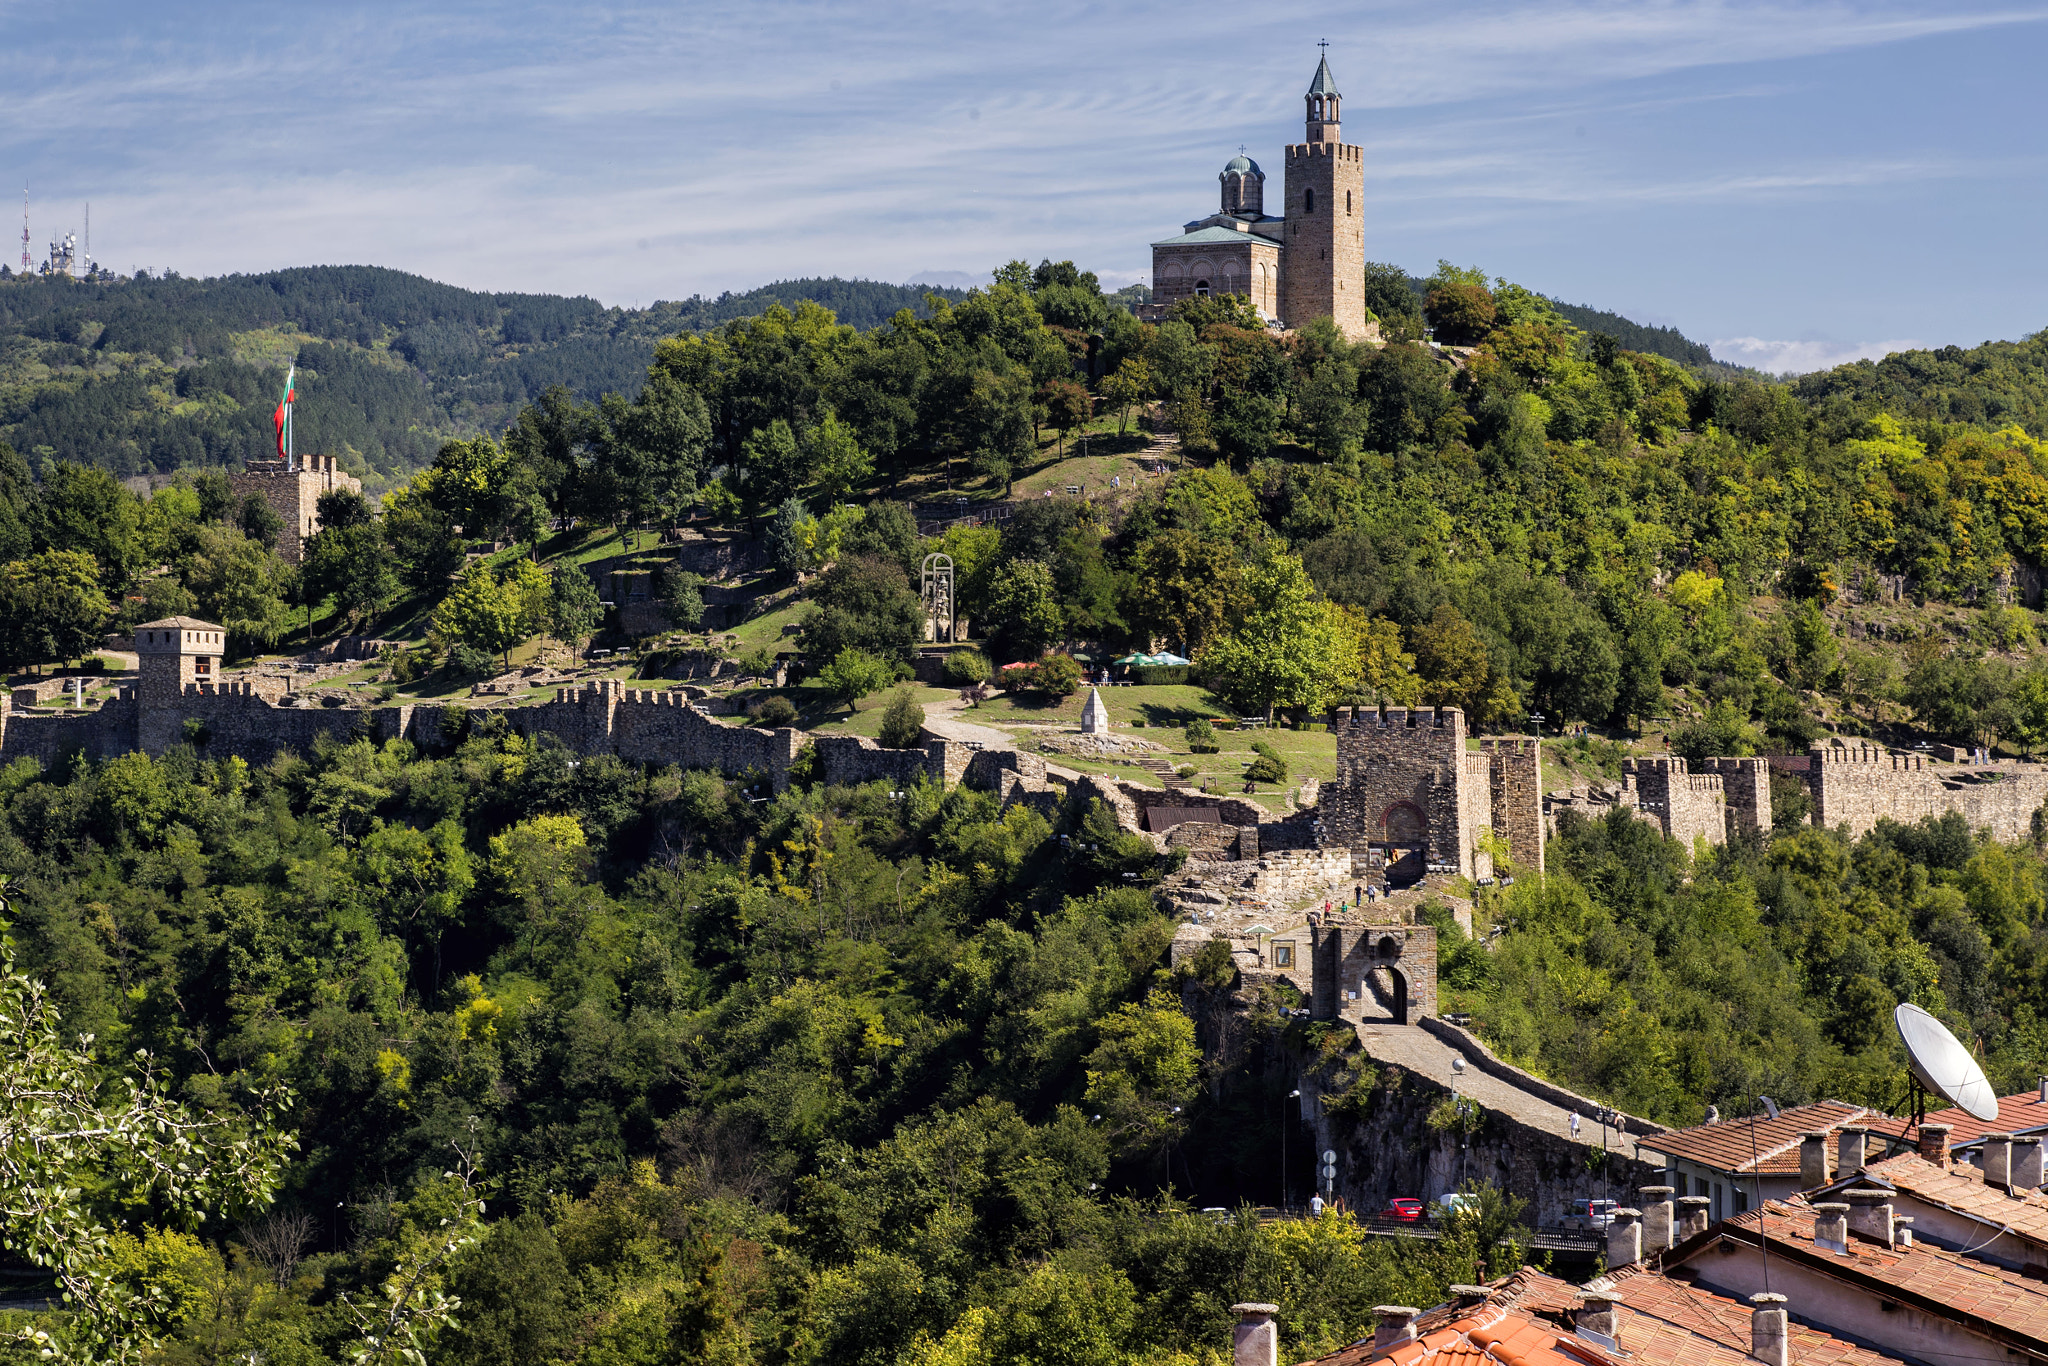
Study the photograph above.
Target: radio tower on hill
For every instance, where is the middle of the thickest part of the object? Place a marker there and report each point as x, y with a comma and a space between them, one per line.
24, 230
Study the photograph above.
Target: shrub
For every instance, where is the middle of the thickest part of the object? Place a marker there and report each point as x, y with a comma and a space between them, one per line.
773, 710
1199, 732
1267, 767
758, 663
467, 661
1185, 771
968, 666
1058, 676
1162, 675
903, 722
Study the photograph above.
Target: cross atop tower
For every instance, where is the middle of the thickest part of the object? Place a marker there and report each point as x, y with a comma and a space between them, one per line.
1324, 44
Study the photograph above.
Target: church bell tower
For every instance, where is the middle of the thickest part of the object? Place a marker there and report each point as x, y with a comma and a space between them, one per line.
1323, 267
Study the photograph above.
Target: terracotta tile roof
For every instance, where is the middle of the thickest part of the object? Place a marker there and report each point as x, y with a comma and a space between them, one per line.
1963, 1191
1666, 1320
1662, 1322
1726, 1146
2019, 1113
182, 624
2004, 1303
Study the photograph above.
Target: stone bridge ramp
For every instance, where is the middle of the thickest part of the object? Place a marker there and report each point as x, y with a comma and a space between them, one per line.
1496, 1086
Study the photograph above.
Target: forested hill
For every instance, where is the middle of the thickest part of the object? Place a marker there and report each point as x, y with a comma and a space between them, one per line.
155, 373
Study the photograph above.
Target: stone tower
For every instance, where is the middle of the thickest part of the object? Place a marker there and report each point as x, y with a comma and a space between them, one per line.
175, 653
1323, 273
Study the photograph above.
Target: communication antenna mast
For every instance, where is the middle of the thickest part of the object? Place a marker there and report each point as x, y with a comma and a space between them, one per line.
88, 237
24, 230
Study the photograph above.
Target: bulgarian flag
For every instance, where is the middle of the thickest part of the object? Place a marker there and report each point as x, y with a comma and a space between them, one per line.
282, 418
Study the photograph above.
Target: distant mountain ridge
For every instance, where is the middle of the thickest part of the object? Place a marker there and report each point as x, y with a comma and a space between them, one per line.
160, 372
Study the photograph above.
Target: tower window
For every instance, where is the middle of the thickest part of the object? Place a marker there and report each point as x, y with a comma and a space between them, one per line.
1202, 288
1308, 201
1347, 203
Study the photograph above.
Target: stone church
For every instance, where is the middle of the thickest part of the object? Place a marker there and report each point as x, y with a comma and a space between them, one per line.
1307, 262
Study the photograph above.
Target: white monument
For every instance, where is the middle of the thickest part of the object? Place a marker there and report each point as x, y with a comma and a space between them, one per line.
1094, 715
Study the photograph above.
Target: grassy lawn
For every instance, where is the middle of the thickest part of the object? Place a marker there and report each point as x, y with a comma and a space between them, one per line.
866, 718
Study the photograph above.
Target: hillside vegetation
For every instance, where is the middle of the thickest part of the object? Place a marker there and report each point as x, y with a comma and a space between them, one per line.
160, 373
861, 1075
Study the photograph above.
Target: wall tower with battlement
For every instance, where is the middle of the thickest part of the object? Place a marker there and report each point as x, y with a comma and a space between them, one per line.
294, 495
1406, 785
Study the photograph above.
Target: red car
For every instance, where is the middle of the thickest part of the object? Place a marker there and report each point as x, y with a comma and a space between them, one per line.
1403, 1209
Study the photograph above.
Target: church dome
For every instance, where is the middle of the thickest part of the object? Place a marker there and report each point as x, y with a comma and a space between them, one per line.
1244, 187
1241, 165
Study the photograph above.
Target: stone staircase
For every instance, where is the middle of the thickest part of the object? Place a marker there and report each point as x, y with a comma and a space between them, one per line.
1163, 770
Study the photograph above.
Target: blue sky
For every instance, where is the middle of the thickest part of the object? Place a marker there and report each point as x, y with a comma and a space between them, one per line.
1795, 183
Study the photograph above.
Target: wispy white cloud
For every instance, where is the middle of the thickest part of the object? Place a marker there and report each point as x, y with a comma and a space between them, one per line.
1802, 357
642, 151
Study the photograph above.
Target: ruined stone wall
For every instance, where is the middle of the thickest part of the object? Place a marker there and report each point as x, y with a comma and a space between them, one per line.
1514, 779
1475, 805
1746, 787
1230, 810
1400, 770
1686, 805
1858, 784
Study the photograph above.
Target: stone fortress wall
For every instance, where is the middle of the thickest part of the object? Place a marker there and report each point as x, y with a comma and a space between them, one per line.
1857, 784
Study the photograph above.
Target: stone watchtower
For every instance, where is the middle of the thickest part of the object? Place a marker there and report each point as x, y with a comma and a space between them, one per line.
1324, 274
173, 653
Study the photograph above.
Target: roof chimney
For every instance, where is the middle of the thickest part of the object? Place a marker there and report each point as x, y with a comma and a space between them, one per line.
1469, 1295
2044, 1090
1870, 1213
1996, 1160
1902, 1232
1393, 1324
1934, 1144
1693, 1215
1851, 1142
2026, 1164
1656, 1218
1625, 1238
1256, 1339
1599, 1317
1768, 1338
1813, 1160
1831, 1226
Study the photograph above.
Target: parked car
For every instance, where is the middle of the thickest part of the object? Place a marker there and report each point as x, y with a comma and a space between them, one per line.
1590, 1213
1453, 1201
1402, 1209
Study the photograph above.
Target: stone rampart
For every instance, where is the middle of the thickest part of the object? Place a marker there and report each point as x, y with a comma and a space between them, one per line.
1746, 788
1686, 805
1858, 785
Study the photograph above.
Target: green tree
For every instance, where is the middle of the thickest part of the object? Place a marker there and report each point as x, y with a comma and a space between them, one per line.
1290, 647
348, 560
681, 595
1023, 608
1327, 408
482, 613
773, 465
573, 605
67, 1126
79, 507
853, 674
516, 1293
240, 584
903, 722
838, 460
1130, 383
259, 521
1143, 1071
1066, 405
51, 608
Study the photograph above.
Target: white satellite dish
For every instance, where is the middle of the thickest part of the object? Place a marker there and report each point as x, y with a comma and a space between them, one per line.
1942, 1065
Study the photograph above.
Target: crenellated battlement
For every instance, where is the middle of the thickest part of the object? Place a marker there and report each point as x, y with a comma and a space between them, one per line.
1866, 755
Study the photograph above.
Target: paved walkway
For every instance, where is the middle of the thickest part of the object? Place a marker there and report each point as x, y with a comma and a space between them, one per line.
946, 719
1426, 1055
